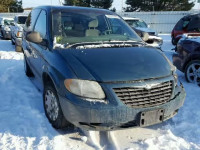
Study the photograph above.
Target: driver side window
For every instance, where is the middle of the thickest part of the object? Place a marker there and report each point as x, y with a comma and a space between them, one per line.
40, 25
116, 26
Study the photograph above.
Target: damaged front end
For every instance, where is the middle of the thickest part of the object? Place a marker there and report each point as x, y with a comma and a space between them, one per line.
129, 104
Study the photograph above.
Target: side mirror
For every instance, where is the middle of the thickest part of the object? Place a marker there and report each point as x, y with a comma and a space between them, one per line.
34, 37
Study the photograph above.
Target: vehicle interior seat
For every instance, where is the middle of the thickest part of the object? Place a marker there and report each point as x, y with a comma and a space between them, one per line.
80, 30
68, 28
92, 31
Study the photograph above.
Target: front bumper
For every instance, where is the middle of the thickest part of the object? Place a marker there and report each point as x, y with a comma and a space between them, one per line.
102, 116
7, 34
178, 62
18, 41
180, 59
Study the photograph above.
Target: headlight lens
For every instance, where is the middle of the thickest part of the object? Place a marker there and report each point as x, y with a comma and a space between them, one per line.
7, 28
85, 88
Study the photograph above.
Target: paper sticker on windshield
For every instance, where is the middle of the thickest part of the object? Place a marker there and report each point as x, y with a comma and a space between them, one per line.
112, 16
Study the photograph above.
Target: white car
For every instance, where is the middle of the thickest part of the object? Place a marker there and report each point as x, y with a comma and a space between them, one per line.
5, 27
16, 31
142, 28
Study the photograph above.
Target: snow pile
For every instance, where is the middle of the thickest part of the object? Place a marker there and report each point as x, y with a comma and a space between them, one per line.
23, 124
103, 46
11, 55
167, 141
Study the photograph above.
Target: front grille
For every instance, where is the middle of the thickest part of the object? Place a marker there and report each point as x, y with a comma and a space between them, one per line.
140, 97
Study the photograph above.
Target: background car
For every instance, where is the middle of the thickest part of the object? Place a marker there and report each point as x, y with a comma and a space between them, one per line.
187, 58
5, 24
187, 24
141, 28
16, 31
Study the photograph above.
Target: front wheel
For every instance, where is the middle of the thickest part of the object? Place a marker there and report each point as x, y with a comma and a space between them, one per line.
52, 107
174, 42
192, 72
27, 69
12, 42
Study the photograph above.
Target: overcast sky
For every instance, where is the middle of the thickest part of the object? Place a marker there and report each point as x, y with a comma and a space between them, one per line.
118, 4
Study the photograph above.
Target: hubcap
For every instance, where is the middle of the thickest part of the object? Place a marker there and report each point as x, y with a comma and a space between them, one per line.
193, 73
51, 105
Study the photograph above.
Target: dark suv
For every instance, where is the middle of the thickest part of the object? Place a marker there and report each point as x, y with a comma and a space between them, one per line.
187, 58
96, 72
187, 24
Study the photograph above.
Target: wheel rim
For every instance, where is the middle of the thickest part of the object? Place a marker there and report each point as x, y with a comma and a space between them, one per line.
51, 105
193, 73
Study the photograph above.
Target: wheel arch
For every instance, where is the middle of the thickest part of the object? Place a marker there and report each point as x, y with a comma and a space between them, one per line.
46, 78
191, 58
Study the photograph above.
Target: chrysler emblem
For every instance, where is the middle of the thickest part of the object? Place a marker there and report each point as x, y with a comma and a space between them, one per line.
148, 86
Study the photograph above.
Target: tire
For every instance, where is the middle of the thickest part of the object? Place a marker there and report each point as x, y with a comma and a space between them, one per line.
27, 69
174, 42
12, 42
52, 107
18, 48
192, 72
2, 34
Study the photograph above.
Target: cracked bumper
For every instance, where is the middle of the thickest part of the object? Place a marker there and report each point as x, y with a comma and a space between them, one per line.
104, 117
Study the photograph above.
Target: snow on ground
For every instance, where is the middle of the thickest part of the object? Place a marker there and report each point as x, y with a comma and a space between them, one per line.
23, 124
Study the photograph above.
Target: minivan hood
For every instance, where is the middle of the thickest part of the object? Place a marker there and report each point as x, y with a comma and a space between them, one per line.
20, 27
148, 30
117, 64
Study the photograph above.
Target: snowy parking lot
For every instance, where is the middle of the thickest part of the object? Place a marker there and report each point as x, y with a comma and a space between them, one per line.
23, 124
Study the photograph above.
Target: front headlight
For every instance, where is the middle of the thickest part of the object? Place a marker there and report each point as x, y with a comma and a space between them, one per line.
7, 28
85, 88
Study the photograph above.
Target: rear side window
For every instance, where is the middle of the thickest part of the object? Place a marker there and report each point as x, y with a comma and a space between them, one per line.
179, 25
31, 19
40, 25
22, 19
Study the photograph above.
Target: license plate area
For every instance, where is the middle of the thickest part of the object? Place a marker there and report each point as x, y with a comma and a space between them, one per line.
151, 117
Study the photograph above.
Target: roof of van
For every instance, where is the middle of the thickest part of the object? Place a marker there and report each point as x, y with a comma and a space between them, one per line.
75, 8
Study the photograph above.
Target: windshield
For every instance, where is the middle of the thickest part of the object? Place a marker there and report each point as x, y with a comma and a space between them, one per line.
90, 27
22, 19
137, 23
8, 22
